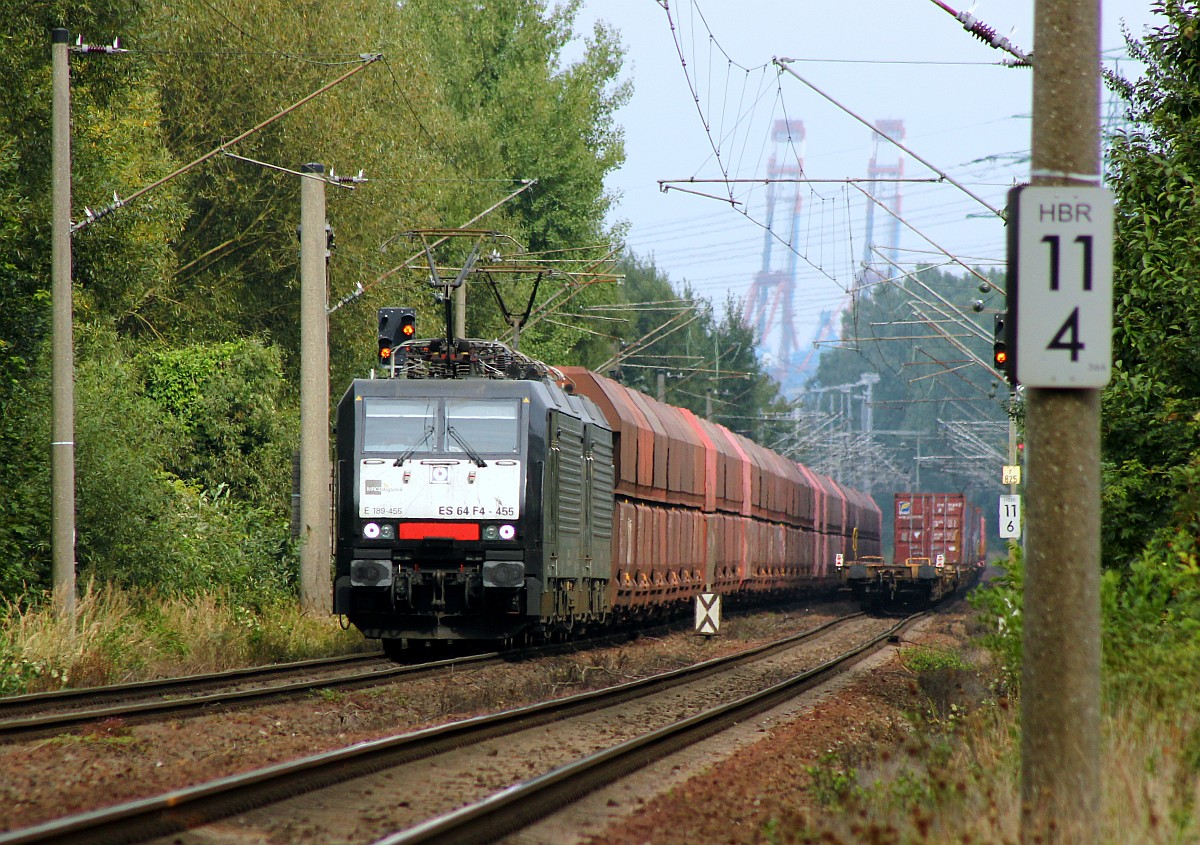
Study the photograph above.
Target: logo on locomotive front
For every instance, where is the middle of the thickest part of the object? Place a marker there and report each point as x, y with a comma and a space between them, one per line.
372, 487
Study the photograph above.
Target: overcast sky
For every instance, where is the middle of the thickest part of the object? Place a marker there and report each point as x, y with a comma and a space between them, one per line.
904, 60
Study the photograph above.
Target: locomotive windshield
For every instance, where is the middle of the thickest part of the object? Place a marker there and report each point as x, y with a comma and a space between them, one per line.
397, 425
484, 426
420, 425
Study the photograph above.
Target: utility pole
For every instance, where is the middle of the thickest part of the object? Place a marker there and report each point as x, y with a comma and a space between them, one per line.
62, 392
1060, 684
315, 496
460, 313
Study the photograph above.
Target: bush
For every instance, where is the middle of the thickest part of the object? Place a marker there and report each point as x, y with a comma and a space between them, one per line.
999, 604
1152, 626
144, 525
225, 400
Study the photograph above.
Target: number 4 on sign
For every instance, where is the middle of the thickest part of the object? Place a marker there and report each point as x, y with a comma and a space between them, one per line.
1067, 338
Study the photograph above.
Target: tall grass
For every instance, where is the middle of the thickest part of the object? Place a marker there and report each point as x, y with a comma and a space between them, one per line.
962, 785
960, 782
118, 635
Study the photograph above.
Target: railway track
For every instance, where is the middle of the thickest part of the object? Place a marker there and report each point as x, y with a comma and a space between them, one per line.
37, 714
23, 716
500, 812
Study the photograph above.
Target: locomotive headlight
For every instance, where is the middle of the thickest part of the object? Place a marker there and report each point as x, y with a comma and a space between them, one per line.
507, 532
371, 530
387, 532
491, 532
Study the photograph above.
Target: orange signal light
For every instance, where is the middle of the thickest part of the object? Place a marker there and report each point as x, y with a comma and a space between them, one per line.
408, 329
1001, 357
385, 352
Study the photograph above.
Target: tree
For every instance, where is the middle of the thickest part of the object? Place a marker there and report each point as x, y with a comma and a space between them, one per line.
1151, 420
926, 382
199, 278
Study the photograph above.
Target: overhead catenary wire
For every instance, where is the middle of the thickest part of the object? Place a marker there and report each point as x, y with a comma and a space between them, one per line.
784, 65
361, 288
367, 60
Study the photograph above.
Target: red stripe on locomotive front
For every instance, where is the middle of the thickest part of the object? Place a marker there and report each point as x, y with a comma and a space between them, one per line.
439, 530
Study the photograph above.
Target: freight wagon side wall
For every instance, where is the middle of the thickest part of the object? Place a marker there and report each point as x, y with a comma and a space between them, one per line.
702, 507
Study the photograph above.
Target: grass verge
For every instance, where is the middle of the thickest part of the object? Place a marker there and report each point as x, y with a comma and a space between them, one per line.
959, 780
118, 636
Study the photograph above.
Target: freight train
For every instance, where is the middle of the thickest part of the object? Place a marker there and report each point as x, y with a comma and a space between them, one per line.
940, 543
482, 495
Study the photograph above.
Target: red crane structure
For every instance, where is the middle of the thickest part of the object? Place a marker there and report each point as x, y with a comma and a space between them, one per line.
769, 306
884, 171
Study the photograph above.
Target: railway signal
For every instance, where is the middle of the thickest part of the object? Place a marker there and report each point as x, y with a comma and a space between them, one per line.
396, 325
1000, 348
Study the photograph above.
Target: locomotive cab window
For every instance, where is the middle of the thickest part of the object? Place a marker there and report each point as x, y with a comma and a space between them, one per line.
397, 425
487, 427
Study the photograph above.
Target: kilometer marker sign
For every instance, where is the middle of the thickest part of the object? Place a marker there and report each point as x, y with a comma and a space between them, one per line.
1060, 285
1010, 517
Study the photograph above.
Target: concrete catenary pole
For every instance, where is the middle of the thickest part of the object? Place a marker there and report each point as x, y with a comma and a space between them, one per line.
1060, 686
62, 395
460, 311
315, 495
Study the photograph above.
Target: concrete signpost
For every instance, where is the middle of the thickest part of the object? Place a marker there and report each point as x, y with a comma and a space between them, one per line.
1060, 320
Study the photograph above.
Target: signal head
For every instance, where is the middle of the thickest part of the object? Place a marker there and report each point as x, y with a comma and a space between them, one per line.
1000, 346
396, 325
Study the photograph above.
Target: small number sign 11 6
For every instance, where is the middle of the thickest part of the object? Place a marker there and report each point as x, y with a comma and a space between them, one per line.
1010, 517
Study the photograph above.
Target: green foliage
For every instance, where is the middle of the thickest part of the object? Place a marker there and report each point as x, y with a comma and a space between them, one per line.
22, 320
1151, 410
926, 659
229, 401
150, 508
19, 674
999, 604
834, 783
1152, 625
25, 477
469, 100
499, 67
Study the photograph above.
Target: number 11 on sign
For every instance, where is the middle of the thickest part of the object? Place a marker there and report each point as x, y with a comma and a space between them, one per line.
1010, 517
